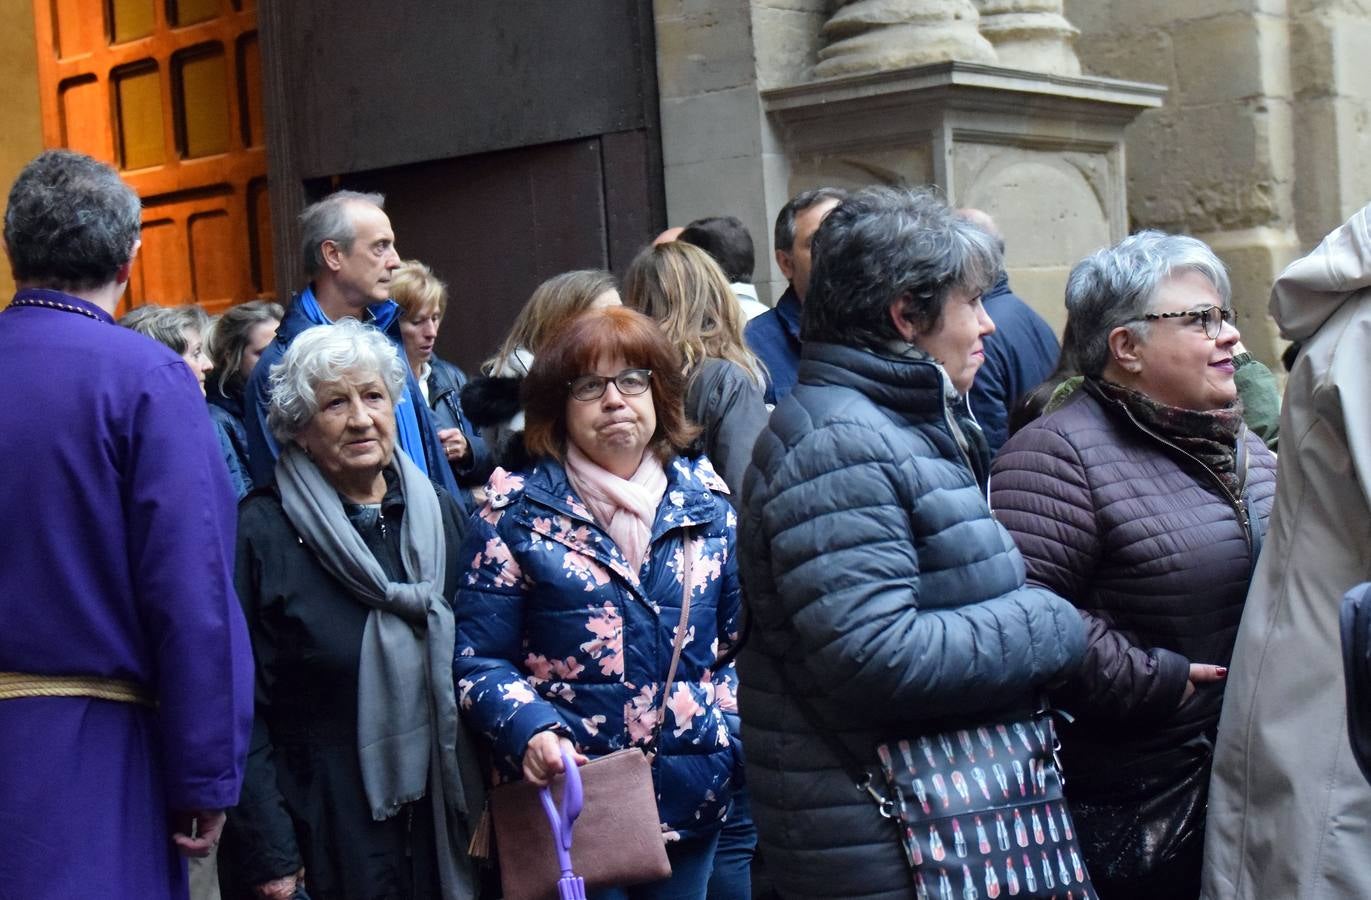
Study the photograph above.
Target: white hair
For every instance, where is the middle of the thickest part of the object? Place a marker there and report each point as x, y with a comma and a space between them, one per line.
324, 354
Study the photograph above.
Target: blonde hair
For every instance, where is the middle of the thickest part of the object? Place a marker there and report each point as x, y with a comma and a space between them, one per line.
684, 289
415, 288
553, 303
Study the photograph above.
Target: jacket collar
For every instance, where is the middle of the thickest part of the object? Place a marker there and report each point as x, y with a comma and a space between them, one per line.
304, 313
911, 386
553, 510
789, 311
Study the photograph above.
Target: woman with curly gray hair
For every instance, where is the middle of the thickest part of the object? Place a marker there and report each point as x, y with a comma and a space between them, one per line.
359, 777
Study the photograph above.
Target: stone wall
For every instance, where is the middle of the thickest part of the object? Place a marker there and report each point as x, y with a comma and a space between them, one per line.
1259, 149
719, 152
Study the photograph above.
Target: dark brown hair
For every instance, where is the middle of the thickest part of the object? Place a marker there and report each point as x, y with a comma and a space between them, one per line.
576, 348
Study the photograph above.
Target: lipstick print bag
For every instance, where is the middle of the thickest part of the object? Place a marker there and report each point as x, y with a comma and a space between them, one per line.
980, 813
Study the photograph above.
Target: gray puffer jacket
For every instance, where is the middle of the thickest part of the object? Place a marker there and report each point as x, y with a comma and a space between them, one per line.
881, 592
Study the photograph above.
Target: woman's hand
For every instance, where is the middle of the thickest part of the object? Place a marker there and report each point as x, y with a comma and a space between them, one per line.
283, 888
543, 757
1201, 673
454, 444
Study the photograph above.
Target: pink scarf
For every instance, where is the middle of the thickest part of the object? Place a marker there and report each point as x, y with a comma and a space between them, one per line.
625, 508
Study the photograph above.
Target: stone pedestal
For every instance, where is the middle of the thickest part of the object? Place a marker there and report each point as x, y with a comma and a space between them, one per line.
1030, 34
877, 35
1043, 154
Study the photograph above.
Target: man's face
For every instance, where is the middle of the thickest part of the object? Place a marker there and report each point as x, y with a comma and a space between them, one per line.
363, 272
795, 263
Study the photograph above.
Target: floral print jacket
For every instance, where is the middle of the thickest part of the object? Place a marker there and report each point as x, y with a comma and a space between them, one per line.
554, 630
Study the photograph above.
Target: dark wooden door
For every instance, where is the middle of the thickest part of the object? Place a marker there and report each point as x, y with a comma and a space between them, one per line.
514, 140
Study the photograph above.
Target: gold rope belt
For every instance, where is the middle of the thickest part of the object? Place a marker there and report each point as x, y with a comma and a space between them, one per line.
14, 685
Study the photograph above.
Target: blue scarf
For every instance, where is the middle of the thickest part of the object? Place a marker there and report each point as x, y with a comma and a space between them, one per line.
382, 315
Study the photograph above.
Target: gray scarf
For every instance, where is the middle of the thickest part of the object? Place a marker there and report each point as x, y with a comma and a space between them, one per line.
408, 736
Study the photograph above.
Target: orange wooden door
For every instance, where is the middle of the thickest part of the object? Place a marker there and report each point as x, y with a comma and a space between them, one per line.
169, 92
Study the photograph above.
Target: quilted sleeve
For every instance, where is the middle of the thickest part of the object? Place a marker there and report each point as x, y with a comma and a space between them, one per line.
1041, 493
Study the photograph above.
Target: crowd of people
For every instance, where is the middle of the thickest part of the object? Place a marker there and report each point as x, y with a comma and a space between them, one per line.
900, 597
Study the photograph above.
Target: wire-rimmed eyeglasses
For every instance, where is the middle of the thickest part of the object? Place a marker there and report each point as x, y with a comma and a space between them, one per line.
629, 382
1210, 317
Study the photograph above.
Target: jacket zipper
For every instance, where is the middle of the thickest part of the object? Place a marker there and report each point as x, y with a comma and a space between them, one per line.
1239, 507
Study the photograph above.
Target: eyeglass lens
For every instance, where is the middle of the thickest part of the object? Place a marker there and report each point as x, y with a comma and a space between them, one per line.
628, 382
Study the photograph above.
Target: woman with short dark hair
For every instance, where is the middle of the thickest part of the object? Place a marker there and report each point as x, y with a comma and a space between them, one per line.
1143, 499
567, 616
885, 601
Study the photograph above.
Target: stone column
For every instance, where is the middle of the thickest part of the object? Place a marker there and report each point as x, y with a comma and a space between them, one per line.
1030, 34
881, 35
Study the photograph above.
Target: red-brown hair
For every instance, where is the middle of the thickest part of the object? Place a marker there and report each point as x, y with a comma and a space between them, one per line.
575, 350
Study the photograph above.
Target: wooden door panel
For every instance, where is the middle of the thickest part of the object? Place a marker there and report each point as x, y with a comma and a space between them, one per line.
169, 91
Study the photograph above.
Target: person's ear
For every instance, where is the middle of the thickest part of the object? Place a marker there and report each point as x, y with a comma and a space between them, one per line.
1126, 350
332, 255
901, 313
125, 272
787, 266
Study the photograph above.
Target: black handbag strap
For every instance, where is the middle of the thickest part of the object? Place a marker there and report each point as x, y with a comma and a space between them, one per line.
862, 777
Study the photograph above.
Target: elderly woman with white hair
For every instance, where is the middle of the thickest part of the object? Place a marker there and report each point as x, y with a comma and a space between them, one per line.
360, 779
1143, 500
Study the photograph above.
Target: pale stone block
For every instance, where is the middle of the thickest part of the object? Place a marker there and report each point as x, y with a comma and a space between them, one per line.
786, 40
1229, 57
1044, 289
702, 47
879, 35
719, 187
1051, 206
906, 166
1030, 34
711, 126
1254, 258
1144, 55
1121, 16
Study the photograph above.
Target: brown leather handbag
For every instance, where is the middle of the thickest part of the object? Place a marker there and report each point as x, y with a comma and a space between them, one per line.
618, 835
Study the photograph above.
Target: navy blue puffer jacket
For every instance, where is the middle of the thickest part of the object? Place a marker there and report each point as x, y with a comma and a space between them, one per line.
882, 592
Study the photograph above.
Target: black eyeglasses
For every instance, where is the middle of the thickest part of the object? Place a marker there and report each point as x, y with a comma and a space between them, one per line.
1211, 317
629, 382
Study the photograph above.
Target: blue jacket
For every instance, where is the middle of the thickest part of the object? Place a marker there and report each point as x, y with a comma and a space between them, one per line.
445, 382
775, 337
227, 415
883, 594
262, 449
1019, 356
553, 631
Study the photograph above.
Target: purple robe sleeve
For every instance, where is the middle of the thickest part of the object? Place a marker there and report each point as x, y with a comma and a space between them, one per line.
181, 523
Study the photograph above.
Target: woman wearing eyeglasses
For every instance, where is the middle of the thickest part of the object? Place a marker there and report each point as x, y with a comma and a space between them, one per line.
569, 611
1143, 500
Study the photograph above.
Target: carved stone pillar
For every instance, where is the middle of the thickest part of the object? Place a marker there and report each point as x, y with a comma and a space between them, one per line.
1031, 35
881, 35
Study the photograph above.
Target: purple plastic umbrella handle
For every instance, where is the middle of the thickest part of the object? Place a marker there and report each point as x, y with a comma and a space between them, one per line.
563, 819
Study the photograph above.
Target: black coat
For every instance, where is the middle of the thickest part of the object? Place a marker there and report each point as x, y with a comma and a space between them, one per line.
884, 595
727, 405
303, 801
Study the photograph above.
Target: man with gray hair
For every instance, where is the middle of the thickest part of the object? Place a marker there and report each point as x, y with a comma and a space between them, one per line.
348, 249
775, 335
125, 668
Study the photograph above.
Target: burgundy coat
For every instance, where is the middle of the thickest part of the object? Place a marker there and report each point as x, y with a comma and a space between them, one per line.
1152, 550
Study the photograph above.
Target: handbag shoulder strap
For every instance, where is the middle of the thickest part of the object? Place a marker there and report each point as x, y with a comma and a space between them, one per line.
679, 642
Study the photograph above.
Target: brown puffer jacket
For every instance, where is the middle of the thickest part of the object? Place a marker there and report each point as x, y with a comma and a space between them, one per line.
1152, 550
